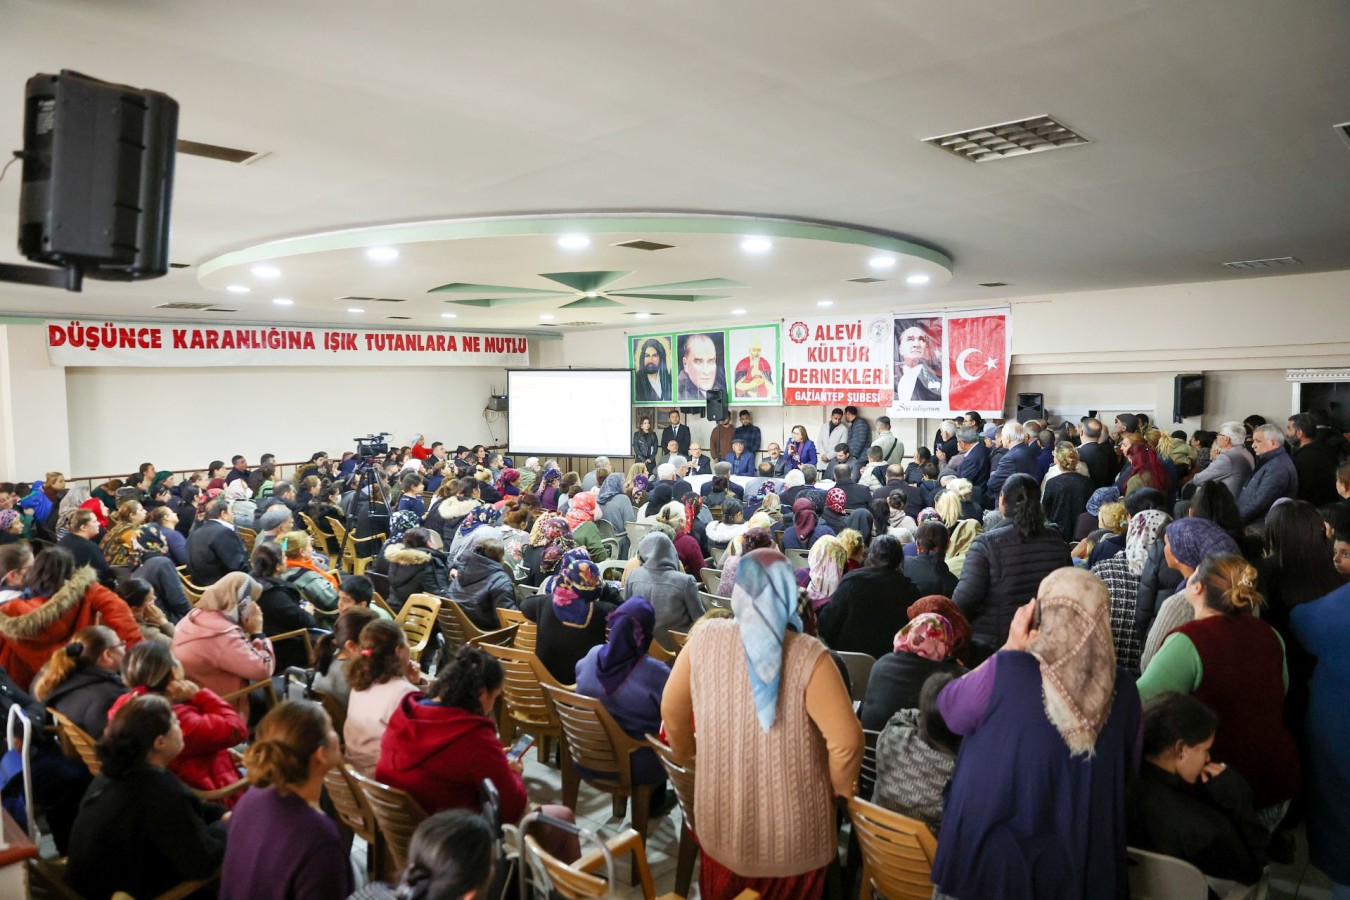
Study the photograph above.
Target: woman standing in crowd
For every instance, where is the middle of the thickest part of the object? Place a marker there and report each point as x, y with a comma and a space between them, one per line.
671, 592
1049, 730
805, 529
571, 618
869, 603
83, 680
1186, 542
1121, 575
56, 602
644, 444
1006, 563
1185, 806
221, 643
777, 740
1233, 662
210, 726
332, 651
1065, 496
281, 845
140, 830
379, 675
922, 648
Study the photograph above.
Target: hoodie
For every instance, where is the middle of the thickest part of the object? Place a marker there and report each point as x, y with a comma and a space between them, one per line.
440, 754
33, 628
481, 587
672, 593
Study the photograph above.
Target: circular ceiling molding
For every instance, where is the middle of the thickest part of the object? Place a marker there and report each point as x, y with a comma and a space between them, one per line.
605, 268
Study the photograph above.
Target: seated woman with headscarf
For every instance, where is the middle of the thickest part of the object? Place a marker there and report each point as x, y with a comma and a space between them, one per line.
508, 485
776, 739
923, 648
1050, 730
154, 565
1121, 574
580, 518
548, 532
756, 537
614, 505
629, 682
571, 619
548, 493
478, 526
805, 529
671, 592
824, 568
916, 755
221, 643
687, 547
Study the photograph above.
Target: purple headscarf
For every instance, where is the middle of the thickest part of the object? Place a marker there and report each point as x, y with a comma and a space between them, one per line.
630, 634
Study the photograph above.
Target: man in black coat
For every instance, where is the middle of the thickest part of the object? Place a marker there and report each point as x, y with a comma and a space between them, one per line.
975, 463
1020, 459
1097, 454
214, 548
1314, 460
855, 495
677, 432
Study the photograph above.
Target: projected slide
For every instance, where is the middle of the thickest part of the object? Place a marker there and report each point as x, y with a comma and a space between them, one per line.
572, 412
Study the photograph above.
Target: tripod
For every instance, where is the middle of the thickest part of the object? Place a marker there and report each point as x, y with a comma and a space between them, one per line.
365, 519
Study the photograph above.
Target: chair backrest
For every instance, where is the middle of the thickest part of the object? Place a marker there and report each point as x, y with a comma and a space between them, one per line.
897, 852
351, 804
611, 545
719, 554
1154, 877
456, 627
565, 881
661, 654
606, 530
337, 713
248, 536
512, 616
859, 667
417, 617
867, 778
380, 583
712, 601
75, 738
612, 569
681, 778
523, 592
636, 532
679, 638
798, 558
523, 687
396, 814
594, 740
711, 578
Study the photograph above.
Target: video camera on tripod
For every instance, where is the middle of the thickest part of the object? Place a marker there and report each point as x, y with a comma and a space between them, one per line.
372, 445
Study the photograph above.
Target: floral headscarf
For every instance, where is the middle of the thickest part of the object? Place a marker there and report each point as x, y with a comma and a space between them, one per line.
149, 539
548, 529
507, 484
641, 483
929, 514
559, 555
480, 515
764, 602
826, 563
401, 522
630, 634
7, 519
575, 590
693, 504
928, 635
836, 501
581, 510
552, 476
960, 625
1145, 529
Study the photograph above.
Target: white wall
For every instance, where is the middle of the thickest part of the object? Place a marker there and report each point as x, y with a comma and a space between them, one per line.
34, 438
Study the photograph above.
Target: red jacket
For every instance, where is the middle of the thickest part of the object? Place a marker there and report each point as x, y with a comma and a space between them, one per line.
210, 727
439, 754
33, 628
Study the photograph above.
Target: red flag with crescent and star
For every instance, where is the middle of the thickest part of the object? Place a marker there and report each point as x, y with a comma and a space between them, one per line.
977, 362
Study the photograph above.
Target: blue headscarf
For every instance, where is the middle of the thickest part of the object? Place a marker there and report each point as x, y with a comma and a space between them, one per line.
764, 602
1100, 497
612, 488
480, 515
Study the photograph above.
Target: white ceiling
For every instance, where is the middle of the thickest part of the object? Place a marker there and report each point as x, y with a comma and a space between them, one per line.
1211, 128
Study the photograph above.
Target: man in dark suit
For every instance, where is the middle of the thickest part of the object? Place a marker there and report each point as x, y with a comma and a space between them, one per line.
676, 432
699, 464
723, 469
214, 549
1020, 458
1098, 455
855, 495
975, 464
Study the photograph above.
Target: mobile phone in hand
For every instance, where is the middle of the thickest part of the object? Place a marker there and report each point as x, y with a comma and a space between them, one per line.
519, 748
1035, 615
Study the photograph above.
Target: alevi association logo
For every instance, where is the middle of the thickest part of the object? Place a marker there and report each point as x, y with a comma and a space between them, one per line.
798, 332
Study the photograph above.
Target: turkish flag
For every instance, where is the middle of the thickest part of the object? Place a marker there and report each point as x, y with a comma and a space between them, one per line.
977, 362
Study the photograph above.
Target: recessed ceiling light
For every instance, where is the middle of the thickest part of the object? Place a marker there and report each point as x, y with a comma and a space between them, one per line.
238, 289
282, 301
824, 303
449, 315
738, 312
574, 241
919, 278
545, 318
881, 262
355, 309
592, 293
266, 272
643, 315
756, 245
382, 254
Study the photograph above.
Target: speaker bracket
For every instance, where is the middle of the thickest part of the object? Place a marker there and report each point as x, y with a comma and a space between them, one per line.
71, 277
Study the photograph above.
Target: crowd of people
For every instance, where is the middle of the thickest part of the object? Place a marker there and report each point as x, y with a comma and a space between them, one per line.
1086, 636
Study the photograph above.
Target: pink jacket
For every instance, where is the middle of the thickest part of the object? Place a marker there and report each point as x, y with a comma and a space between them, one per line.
217, 654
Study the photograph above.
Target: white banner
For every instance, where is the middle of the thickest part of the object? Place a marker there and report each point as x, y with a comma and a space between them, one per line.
838, 361
78, 343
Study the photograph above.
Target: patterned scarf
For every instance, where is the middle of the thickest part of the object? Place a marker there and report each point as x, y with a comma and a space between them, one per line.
630, 634
836, 501
575, 590
826, 563
559, 555
401, 522
548, 529
1144, 531
479, 515
581, 510
507, 484
944, 607
928, 635
764, 603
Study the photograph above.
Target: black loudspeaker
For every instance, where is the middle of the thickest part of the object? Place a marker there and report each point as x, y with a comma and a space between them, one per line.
1188, 397
1030, 406
717, 408
98, 163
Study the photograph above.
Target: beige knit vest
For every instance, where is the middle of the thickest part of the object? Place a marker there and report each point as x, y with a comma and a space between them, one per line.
763, 803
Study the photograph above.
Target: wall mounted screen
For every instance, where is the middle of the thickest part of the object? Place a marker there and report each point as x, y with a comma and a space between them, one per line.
570, 412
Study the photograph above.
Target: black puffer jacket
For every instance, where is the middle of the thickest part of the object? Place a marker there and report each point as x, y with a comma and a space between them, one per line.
1002, 572
86, 696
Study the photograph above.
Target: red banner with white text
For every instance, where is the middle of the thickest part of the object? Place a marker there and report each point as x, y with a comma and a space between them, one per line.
838, 361
79, 343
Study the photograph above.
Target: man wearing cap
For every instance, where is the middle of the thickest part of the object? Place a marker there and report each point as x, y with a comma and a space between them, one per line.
832, 433
275, 522
742, 462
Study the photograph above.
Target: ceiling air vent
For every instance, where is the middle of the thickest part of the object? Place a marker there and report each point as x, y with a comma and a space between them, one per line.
224, 154
181, 305
356, 298
643, 315
220, 309
179, 265
578, 324
1008, 139
993, 284
383, 300
867, 280
1277, 262
1343, 130
645, 245
402, 318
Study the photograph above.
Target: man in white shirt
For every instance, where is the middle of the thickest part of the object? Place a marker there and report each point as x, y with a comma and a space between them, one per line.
832, 433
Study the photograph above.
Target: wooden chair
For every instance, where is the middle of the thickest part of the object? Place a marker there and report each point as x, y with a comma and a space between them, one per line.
354, 812
679, 639
76, 741
396, 814
859, 667
47, 881
595, 742
546, 875
1155, 877
897, 852
298, 634
659, 653
527, 632
505, 637
263, 684
194, 592
711, 579
417, 618
379, 601
354, 561
248, 536
526, 704
682, 780
337, 713
321, 538
867, 778
524, 592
